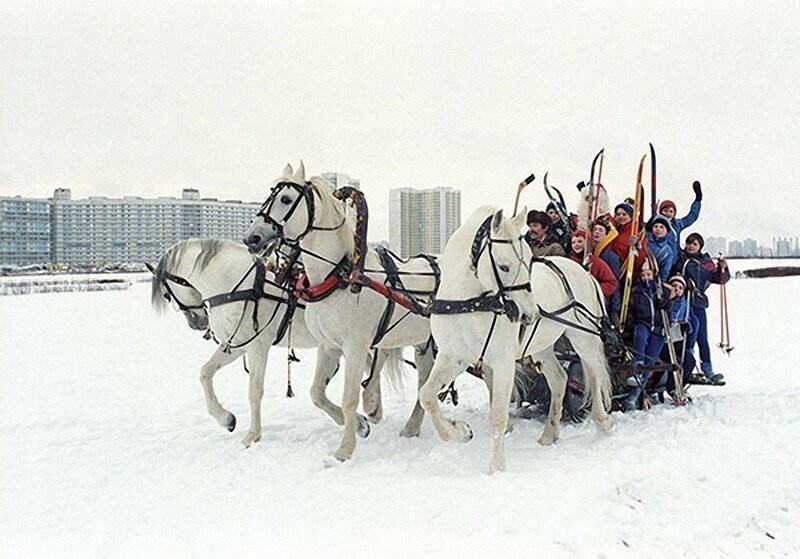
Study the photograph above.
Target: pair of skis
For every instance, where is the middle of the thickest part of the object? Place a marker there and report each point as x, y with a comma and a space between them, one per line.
633, 242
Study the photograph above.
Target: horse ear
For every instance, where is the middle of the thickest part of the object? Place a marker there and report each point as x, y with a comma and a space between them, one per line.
497, 220
150, 268
300, 175
288, 171
519, 219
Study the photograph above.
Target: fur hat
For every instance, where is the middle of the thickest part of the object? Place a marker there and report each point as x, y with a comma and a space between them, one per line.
625, 207
667, 204
696, 237
677, 278
536, 216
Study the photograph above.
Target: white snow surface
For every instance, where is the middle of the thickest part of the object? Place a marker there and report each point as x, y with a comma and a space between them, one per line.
107, 451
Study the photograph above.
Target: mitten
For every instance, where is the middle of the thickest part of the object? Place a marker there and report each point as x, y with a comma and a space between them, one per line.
698, 192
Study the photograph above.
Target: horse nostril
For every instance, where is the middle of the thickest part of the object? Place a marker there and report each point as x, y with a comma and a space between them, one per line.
253, 241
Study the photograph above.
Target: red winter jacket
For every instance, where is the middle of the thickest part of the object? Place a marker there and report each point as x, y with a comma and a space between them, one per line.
620, 246
600, 271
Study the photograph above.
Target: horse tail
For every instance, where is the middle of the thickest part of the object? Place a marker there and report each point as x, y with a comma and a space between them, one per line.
158, 294
394, 368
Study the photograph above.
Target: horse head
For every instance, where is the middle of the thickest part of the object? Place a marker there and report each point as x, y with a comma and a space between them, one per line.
501, 263
170, 287
286, 215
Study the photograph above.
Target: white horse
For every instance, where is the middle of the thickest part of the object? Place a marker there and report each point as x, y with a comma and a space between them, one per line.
308, 216
218, 285
568, 304
485, 289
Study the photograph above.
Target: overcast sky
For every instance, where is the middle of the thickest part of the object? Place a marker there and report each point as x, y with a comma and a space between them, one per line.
145, 98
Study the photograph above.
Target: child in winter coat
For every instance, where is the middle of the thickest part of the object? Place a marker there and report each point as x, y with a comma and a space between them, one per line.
678, 224
700, 271
597, 268
648, 334
560, 232
623, 214
659, 244
603, 233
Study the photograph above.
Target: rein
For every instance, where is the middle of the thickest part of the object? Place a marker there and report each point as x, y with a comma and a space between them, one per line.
581, 311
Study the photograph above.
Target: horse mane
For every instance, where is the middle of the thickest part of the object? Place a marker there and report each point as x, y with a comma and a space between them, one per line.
202, 251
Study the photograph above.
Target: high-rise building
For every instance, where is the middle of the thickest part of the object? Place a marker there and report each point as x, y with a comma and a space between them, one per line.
98, 230
421, 221
24, 231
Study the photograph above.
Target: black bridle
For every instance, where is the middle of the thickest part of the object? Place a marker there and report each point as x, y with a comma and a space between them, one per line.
170, 294
484, 241
306, 193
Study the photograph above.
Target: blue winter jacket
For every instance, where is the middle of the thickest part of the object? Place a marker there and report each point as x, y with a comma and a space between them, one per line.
681, 223
702, 271
665, 256
646, 306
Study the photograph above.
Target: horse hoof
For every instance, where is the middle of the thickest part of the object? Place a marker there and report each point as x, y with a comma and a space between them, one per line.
342, 456
363, 429
409, 433
466, 432
547, 440
230, 422
250, 439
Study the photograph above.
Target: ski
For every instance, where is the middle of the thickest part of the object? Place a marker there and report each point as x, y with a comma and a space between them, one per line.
561, 207
520, 187
653, 197
632, 241
594, 164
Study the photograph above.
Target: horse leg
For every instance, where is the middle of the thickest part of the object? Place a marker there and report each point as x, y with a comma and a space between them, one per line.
444, 370
557, 381
257, 363
371, 398
353, 368
423, 359
218, 360
596, 375
326, 367
502, 384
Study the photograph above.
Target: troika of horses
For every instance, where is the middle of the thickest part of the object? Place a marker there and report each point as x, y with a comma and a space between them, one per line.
546, 333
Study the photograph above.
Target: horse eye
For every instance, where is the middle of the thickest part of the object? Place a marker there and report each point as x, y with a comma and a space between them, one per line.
503, 268
286, 200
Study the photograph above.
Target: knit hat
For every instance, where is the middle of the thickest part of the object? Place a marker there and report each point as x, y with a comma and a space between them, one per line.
662, 219
554, 206
667, 204
579, 233
679, 279
536, 216
696, 237
625, 207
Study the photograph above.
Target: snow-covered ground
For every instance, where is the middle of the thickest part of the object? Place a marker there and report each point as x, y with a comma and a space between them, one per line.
106, 450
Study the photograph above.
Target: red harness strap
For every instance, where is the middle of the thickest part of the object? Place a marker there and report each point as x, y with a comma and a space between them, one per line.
304, 292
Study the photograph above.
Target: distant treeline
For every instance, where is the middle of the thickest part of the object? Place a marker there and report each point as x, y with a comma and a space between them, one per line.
773, 272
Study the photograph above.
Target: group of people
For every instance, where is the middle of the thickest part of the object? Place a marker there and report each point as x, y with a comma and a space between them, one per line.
666, 299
